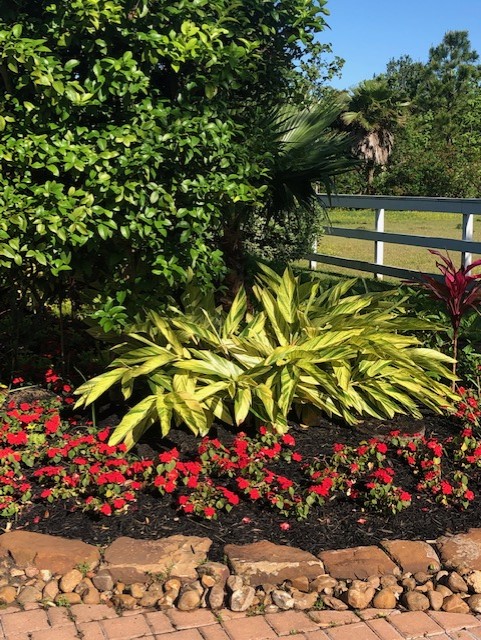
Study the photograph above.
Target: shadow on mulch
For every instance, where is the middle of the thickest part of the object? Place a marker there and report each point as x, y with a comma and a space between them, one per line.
333, 526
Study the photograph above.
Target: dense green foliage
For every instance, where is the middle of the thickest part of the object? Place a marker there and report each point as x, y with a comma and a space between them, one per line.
132, 131
345, 354
437, 151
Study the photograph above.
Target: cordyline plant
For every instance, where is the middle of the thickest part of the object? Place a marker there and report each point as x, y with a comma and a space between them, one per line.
459, 291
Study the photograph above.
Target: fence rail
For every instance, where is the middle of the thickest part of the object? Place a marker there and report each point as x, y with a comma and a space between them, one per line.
467, 207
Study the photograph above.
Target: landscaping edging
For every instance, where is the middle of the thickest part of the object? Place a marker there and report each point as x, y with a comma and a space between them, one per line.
175, 572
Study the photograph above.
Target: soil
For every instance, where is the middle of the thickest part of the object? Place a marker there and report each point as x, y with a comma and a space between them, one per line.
340, 523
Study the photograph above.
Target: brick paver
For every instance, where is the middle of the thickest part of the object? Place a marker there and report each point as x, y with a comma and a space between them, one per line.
25, 622
369, 614
227, 614
159, 622
333, 618
360, 631
91, 630
285, 623
62, 633
317, 635
214, 632
384, 630
90, 612
414, 624
85, 622
191, 619
454, 621
59, 617
185, 634
254, 628
126, 628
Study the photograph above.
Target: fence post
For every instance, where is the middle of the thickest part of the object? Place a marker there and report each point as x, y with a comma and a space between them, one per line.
468, 228
379, 244
312, 263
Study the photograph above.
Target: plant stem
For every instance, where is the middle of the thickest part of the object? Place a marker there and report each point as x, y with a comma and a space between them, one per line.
455, 356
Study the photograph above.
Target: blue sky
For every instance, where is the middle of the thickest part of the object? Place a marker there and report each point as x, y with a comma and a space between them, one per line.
368, 33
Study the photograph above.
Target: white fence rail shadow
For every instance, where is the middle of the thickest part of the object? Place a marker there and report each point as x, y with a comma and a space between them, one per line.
466, 207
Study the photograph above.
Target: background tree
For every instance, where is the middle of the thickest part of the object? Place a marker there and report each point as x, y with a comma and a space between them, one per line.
437, 150
374, 112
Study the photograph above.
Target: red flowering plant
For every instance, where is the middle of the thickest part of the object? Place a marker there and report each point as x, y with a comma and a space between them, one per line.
220, 474
359, 472
48, 378
70, 463
459, 291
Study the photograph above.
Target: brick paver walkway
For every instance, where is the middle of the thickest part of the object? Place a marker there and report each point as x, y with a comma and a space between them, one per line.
85, 622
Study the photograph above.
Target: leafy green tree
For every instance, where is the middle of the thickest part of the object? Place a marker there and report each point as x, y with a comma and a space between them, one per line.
374, 112
451, 75
131, 131
437, 151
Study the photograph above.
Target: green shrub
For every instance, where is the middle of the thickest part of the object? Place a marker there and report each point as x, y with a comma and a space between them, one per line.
345, 354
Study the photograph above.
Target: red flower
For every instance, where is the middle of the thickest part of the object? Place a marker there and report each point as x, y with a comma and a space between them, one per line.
119, 503
405, 496
232, 498
381, 447
168, 456
103, 435
284, 483
288, 440
285, 526
51, 376
106, 509
242, 483
323, 488
17, 438
254, 494
468, 494
209, 512
296, 457
192, 482
446, 488
170, 486
338, 448
52, 424
46, 493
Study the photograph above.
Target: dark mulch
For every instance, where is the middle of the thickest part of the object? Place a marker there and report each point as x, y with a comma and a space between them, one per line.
333, 526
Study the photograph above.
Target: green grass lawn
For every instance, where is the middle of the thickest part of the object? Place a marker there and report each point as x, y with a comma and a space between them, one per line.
423, 223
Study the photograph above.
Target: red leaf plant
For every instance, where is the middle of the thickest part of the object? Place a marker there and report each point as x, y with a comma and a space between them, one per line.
459, 291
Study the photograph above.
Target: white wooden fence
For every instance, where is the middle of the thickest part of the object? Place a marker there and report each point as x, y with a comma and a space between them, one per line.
466, 207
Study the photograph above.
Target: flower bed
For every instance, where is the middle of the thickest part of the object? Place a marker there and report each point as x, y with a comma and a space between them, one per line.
47, 462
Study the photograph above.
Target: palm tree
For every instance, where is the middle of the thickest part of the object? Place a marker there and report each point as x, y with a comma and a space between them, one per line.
305, 151
374, 112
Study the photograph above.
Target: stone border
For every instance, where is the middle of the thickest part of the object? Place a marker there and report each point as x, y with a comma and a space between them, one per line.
262, 577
